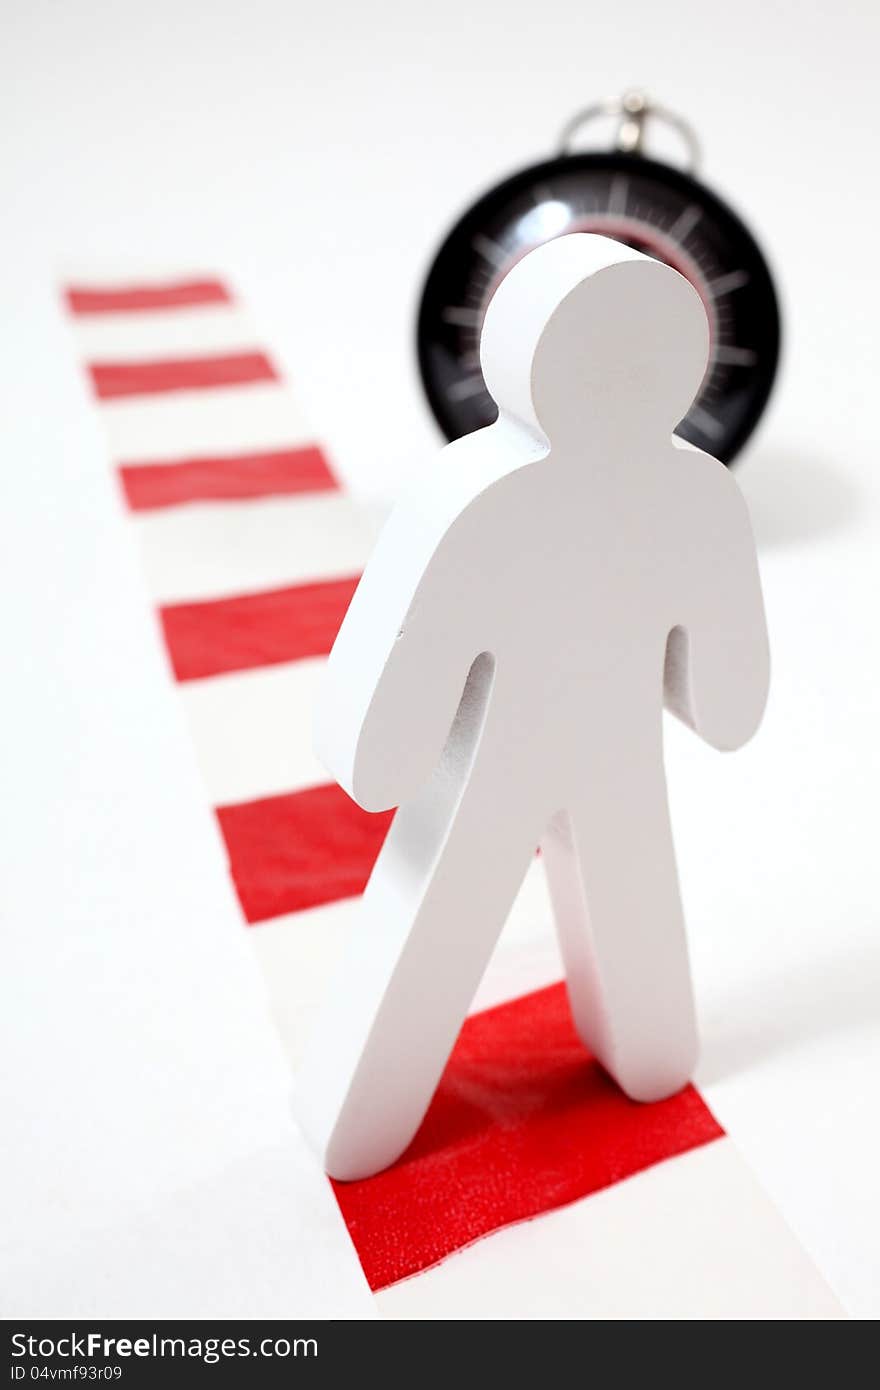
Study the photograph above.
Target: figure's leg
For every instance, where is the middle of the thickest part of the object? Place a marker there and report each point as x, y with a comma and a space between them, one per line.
614, 885
438, 898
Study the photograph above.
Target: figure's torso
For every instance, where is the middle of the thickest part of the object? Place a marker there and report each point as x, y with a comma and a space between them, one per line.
601, 570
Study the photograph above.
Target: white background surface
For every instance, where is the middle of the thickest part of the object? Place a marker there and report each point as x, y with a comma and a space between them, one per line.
316, 154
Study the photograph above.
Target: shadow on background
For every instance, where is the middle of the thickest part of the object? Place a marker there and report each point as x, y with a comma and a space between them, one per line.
795, 497
823, 997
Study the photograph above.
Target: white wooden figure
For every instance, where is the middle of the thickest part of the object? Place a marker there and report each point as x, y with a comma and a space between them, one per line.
500, 677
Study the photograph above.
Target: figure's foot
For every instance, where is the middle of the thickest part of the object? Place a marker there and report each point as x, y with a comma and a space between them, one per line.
352, 1141
653, 1073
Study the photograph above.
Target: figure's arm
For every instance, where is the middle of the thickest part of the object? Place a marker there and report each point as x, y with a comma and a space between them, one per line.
718, 662
397, 671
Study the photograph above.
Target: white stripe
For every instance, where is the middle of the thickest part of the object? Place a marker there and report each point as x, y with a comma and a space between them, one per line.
108, 274
253, 730
184, 424
693, 1238
527, 956
203, 329
298, 954
215, 549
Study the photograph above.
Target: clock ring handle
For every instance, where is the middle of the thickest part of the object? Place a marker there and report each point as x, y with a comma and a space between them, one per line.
634, 109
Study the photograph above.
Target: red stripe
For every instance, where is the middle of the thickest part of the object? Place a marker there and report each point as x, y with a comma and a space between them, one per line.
151, 485
295, 851
235, 634
177, 294
113, 379
523, 1121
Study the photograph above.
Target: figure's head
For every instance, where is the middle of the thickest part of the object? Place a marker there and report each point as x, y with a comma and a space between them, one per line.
586, 335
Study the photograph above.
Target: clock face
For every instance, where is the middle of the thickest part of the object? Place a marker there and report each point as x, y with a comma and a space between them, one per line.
652, 207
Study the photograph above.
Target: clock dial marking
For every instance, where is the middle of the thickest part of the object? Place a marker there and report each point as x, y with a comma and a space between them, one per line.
467, 386
726, 284
658, 210
734, 356
706, 421
491, 251
462, 316
685, 223
617, 198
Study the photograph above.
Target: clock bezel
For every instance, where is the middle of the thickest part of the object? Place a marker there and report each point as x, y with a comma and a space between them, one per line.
485, 209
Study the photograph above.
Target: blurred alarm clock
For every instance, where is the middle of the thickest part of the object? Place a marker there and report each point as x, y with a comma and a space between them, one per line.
658, 208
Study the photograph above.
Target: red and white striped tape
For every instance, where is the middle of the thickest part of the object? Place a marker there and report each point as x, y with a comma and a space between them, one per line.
252, 552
